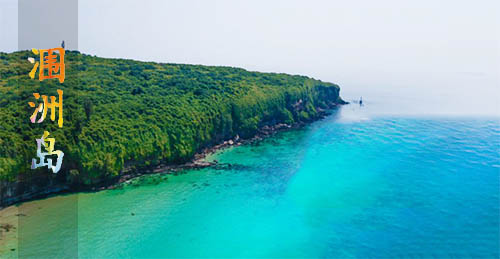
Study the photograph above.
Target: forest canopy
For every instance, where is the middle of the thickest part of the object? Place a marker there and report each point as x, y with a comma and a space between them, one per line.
123, 113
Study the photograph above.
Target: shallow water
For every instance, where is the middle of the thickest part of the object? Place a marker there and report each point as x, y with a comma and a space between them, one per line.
351, 185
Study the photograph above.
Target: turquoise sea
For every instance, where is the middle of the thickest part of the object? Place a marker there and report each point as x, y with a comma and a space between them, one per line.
351, 185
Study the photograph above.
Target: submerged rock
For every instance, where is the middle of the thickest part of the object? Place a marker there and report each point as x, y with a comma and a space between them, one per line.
7, 227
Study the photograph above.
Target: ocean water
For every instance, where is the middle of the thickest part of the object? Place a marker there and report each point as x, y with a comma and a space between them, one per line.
351, 185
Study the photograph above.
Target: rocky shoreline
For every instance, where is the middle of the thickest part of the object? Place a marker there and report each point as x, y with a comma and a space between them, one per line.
197, 162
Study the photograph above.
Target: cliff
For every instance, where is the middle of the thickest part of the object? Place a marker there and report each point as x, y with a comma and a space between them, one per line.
129, 114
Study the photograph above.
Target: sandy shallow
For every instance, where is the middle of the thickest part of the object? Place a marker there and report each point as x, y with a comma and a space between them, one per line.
8, 239
21, 218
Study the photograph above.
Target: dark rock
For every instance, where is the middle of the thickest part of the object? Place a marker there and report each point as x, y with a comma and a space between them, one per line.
7, 227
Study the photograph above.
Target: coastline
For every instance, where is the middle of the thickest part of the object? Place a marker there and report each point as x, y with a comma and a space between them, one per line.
196, 162
11, 213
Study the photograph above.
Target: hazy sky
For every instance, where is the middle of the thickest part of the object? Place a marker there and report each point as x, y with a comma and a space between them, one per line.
443, 54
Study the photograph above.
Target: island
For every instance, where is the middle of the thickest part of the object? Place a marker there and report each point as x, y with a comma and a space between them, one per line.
124, 117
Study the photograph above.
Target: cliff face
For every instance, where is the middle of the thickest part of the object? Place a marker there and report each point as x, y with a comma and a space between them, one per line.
128, 114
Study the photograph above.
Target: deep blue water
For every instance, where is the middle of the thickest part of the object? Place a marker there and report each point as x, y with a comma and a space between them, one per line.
351, 185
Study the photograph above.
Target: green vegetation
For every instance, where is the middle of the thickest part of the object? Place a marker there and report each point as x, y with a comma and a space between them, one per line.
124, 113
